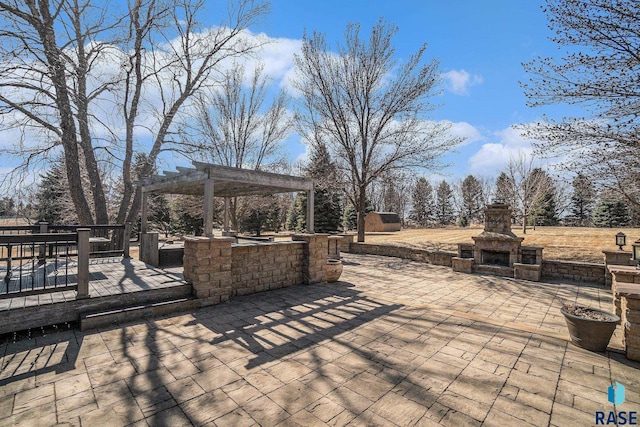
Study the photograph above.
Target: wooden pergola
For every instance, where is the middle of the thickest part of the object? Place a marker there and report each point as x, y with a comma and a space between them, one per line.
223, 181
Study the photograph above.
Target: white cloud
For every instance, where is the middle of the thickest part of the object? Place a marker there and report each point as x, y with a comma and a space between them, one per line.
494, 156
466, 131
460, 81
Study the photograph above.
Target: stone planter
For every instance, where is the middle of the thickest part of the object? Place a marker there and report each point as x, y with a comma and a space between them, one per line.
334, 270
591, 334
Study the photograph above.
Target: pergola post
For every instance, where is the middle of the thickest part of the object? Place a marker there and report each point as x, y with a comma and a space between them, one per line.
208, 207
310, 228
143, 213
226, 214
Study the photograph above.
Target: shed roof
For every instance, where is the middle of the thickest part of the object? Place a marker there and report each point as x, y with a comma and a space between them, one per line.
388, 217
228, 181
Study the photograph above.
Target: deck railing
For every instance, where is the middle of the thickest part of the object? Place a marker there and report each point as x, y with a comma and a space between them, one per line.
45, 262
45, 258
105, 239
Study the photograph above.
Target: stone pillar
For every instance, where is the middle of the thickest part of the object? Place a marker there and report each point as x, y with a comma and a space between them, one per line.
207, 265
631, 323
334, 247
347, 240
616, 257
315, 257
626, 282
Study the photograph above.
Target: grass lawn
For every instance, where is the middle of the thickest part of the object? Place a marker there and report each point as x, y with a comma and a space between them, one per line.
563, 243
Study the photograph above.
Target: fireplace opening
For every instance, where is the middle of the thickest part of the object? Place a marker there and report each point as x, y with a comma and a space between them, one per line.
495, 258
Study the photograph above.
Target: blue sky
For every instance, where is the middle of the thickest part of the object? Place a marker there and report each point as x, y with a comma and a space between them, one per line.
480, 45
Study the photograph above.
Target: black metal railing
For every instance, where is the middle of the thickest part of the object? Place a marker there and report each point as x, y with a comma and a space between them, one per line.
43, 258
39, 263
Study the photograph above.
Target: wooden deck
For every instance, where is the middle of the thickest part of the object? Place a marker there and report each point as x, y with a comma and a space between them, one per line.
113, 282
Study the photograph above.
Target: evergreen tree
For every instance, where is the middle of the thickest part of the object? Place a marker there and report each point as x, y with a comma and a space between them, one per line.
259, 214
350, 219
52, 203
188, 215
422, 199
544, 209
7, 206
610, 213
445, 213
327, 210
327, 206
504, 190
582, 200
472, 200
294, 213
160, 213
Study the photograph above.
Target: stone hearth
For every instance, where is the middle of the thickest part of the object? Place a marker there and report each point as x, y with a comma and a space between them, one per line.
497, 250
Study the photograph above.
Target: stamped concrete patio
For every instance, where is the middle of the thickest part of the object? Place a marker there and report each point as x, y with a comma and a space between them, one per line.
394, 343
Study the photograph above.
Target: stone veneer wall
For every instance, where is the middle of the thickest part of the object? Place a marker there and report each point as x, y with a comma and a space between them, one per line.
218, 271
573, 270
568, 270
266, 266
414, 254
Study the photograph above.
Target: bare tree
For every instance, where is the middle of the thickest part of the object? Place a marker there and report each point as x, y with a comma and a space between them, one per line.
599, 72
233, 126
68, 65
368, 109
527, 186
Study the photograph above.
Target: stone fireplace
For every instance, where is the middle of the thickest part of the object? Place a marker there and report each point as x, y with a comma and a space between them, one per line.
497, 245
495, 258
497, 250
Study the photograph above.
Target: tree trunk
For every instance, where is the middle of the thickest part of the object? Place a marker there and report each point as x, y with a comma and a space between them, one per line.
361, 213
67, 123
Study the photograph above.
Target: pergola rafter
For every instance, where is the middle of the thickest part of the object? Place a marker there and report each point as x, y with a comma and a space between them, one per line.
223, 181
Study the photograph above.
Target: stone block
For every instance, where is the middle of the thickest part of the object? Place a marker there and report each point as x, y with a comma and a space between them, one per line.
530, 272
462, 265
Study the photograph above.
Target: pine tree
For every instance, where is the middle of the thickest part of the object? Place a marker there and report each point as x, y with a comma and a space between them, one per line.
52, 198
327, 210
582, 200
504, 190
472, 200
350, 218
610, 213
259, 214
422, 199
445, 213
188, 215
543, 210
160, 213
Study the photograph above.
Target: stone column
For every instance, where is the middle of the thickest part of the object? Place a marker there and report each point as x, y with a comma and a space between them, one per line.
334, 247
616, 257
347, 240
315, 257
207, 265
626, 282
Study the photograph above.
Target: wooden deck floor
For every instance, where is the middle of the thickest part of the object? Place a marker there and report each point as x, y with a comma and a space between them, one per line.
107, 277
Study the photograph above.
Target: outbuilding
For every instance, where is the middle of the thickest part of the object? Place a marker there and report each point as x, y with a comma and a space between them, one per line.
382, 221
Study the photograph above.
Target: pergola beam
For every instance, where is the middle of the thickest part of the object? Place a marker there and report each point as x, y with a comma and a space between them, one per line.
229, 182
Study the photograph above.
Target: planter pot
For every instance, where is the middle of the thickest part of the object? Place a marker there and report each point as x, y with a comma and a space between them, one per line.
591, 334
334, 270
